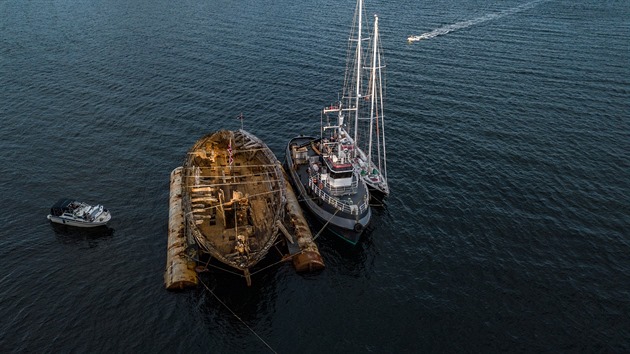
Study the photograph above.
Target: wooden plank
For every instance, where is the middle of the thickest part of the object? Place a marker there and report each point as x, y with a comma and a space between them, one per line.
284, 230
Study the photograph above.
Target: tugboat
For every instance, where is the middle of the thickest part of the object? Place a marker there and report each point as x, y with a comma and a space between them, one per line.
233, 198
321, 171
75, 213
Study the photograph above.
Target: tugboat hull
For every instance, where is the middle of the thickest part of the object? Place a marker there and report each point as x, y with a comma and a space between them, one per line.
345, 216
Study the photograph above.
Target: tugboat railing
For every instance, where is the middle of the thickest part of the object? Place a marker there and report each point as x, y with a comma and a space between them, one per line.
337, 191
352, 209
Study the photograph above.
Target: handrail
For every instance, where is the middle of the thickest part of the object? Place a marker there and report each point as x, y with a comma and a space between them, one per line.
336, 191
347, 208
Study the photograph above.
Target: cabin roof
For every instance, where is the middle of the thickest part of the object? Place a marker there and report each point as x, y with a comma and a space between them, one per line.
338, 167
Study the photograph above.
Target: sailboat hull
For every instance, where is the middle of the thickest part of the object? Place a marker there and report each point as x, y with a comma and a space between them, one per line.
377, 193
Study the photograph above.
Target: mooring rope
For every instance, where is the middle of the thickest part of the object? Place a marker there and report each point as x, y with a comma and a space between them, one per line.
235, 315
238, 274
326, 224
269, 266
213, 266
225, 270
301, 198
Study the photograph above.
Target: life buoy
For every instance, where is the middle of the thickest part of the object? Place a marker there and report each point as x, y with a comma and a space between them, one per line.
358, 227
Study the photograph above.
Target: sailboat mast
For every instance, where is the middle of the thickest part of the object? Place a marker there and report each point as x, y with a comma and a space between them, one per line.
373, 97
381, 134
358, 67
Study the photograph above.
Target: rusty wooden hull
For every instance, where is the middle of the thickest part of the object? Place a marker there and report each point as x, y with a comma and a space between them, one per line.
233, 196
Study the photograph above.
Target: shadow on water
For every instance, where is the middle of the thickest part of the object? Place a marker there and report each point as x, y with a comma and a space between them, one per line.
77, 235
342, 257
225, 289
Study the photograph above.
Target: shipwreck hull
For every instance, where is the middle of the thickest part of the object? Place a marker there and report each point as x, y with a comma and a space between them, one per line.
233, 197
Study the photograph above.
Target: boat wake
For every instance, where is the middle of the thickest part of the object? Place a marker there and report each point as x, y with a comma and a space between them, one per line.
469, 23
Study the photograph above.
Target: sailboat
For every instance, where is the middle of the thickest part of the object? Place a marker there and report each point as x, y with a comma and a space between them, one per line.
362, 102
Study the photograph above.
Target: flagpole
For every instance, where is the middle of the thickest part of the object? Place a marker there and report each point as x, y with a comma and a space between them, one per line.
230, 158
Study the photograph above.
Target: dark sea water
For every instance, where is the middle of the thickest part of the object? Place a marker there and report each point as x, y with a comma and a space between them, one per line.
508, 226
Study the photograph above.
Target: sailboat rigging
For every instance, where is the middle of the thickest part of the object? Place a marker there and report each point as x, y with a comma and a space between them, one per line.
362, 99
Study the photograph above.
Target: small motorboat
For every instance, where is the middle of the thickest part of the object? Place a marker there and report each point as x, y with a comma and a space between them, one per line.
75, 213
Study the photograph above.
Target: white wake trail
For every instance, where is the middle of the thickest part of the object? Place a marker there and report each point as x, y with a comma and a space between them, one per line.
468, 23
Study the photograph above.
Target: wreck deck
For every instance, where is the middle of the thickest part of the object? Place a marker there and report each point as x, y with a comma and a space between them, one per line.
236, 193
